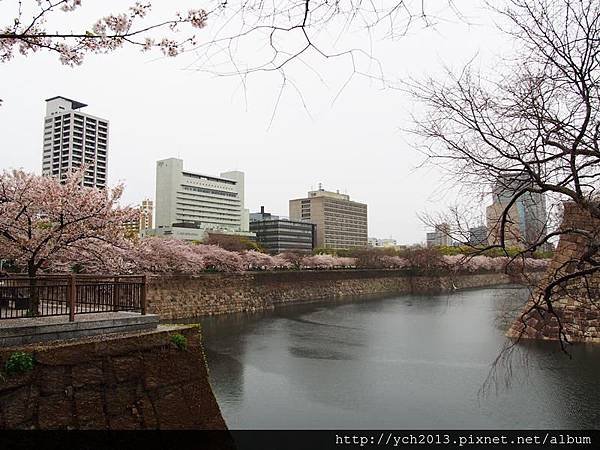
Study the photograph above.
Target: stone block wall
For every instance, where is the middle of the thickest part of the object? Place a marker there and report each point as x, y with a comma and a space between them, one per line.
130, 382
578, 313
178, 297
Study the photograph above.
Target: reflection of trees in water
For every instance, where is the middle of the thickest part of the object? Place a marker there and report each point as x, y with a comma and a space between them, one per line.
508, 303
540, 368
408, 359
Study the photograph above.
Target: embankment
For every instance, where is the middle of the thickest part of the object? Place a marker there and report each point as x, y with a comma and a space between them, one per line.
114, 382
179, 297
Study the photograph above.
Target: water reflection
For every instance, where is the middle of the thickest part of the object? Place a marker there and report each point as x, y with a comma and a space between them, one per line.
406, 362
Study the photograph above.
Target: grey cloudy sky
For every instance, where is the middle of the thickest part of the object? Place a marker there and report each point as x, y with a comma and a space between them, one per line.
160, 108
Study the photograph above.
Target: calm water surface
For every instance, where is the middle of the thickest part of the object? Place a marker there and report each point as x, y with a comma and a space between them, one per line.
405, 362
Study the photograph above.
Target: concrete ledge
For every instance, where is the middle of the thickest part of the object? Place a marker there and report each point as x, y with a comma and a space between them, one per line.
42, 329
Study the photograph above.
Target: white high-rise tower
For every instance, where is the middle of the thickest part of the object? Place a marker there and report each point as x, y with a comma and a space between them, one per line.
73, 138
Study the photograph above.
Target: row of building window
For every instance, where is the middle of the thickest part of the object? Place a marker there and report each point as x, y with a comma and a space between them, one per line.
209, 191
182, 212
202, 204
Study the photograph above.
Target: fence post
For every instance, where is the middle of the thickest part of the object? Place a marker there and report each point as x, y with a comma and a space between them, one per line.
116, 294
143, 299
71, 297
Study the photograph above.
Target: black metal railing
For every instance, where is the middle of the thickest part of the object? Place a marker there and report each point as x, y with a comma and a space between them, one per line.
55, 295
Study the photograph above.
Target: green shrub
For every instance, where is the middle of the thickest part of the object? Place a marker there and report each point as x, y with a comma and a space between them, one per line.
180, 341
19, 362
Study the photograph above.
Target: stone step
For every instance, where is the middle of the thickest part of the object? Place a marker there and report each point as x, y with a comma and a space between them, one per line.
42, 329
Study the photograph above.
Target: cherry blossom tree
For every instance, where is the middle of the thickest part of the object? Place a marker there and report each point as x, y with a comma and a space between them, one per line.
327, 262
28, 30
159, 255
44, 221
254, 260
218, 259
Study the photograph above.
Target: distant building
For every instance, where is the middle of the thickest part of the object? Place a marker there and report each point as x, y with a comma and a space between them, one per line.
526, 218
381, 243
143, 221
190, 204
278, 235
440, 237
73, 138
146, 214
478, 236
262, 215
340, 222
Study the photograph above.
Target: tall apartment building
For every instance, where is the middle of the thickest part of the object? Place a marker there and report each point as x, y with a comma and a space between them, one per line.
279, 234
527, 217
73, 138
189, 204
340, 222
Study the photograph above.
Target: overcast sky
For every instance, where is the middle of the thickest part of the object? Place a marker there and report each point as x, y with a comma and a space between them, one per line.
160, 108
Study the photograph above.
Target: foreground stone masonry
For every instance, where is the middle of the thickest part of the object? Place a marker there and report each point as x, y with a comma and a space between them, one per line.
580, 316
178, 297
130, 382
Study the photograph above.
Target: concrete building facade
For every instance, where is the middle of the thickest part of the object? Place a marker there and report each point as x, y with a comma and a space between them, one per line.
440, 237
189, 204
279, 234
478, 235
340, 222
143, 221
146, 214
73, 138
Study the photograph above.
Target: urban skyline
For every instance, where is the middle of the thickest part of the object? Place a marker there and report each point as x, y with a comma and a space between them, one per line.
191, 116
65, 140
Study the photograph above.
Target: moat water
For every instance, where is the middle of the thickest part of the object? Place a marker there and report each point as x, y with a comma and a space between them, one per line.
404, 362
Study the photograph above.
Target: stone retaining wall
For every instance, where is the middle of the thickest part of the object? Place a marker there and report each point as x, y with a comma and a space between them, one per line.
576, 303
131, 382
178, 297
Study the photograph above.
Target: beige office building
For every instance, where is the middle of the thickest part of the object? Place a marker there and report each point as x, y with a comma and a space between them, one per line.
340, 222
143, 221
146, 214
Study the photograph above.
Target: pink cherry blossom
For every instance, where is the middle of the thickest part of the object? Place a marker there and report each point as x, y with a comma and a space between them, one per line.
45, 222
28, 32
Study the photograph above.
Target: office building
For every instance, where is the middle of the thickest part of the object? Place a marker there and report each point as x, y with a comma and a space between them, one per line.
190, 204
478, 236
440, 237
340, 222
526, 218
73, 138
279, 234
